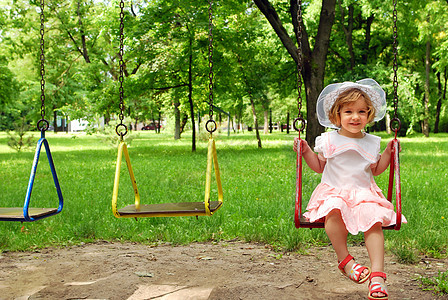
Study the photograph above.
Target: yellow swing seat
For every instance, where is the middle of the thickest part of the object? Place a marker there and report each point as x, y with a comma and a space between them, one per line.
177, 209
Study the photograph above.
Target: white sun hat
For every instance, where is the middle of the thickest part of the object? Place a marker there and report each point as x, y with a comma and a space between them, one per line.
332, 91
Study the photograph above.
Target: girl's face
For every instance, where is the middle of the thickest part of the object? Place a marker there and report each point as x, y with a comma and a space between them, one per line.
353, 118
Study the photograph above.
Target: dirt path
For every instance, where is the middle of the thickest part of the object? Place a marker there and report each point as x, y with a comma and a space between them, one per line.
228, 270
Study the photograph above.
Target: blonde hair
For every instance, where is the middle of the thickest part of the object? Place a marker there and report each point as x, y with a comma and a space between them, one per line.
350, 96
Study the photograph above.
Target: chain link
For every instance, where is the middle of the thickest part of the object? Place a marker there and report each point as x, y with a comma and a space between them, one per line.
210, 58
395, 123
121, 54
42, 66
395, 63
211, 75
121, 128
299, 70
299, 57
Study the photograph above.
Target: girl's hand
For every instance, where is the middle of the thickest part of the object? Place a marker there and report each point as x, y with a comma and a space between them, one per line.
313, 161
305, 145
383, 162
390, 144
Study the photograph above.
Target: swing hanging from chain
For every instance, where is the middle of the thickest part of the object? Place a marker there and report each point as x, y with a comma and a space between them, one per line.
28, 213
173, 209
394, 167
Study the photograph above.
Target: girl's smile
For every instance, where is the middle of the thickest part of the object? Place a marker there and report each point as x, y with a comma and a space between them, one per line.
353, 118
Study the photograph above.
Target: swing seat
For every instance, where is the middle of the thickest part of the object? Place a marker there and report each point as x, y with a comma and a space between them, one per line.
176, 209
27, 213
394, 175
305, 223
170, 209
16, 213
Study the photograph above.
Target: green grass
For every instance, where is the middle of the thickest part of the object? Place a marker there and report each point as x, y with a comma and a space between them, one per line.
258, 193
438, 284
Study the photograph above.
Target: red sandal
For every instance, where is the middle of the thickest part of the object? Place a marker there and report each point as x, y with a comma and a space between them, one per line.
377, 287
355, 271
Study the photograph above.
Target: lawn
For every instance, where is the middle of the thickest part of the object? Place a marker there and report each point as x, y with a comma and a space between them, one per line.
258, 185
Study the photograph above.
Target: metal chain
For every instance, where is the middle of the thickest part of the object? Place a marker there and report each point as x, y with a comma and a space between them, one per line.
42, 67
210, 57
121, 54
121, 76
299, 70
395, 123
299, 57
211, 75
395, 66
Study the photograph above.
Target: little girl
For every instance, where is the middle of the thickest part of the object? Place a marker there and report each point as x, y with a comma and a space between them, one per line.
348, 196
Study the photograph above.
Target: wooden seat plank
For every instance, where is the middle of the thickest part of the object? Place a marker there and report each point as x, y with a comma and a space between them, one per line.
304, 222
17, 212
173, 209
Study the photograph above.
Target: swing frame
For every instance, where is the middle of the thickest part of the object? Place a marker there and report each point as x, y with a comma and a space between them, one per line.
27, 213
394, 181
394, 166
176, 209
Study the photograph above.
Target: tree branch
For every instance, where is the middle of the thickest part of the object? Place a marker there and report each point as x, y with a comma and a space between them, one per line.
271, 15
85, 54
170, 87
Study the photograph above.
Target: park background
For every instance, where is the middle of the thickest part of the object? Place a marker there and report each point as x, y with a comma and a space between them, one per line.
255, 82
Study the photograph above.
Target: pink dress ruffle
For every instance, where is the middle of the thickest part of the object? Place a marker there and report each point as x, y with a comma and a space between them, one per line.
360, 208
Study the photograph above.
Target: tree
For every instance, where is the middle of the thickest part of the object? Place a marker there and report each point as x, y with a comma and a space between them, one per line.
440, 60
313, 58
8, 96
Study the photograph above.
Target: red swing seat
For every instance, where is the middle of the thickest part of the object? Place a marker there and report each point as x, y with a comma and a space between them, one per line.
394, 173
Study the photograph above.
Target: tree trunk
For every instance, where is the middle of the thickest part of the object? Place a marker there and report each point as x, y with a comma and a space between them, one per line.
55, 120
287, 123
190, 97
266, 122
184, 121
176, 120
441, 94
348, 30
270, 120
313, 71
83, 49
240, 122
160, 123
425, 122
257, 132
252, 103
368, 37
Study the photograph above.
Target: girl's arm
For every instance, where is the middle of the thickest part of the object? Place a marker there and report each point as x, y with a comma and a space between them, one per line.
384, 160
311, 158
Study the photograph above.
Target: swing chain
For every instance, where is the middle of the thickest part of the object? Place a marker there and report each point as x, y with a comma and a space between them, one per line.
121, 76
42, 124
395, 123
210, 65
299, 70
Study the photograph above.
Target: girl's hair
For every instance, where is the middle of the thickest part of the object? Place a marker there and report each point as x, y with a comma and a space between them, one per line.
349, 96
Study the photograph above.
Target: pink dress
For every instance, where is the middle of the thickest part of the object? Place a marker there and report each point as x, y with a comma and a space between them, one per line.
347, 183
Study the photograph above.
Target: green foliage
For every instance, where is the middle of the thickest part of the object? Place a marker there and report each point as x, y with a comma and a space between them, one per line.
165, 40
438, 284
8, 95
18, 140
405, 252
110, 136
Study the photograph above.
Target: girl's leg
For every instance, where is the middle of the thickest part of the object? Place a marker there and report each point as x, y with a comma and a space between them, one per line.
337, 233
375, 247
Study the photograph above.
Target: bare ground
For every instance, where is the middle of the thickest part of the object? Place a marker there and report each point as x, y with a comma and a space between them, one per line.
227, 270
